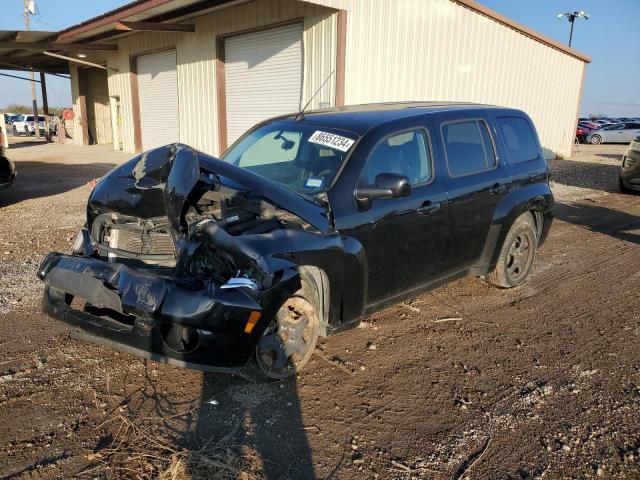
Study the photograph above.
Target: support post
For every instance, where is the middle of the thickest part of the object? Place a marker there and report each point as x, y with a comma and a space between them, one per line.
45, 107
84, 119
36, 123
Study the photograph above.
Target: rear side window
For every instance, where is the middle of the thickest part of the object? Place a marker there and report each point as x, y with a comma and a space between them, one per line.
518, 138
468, 147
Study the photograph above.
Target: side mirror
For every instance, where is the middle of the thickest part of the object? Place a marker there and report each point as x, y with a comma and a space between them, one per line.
387, 185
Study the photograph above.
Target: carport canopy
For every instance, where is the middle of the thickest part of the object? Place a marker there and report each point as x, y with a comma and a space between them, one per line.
17, 52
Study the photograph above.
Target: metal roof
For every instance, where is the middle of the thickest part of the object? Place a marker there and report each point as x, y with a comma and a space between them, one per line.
78, 38
16, 58
103, 26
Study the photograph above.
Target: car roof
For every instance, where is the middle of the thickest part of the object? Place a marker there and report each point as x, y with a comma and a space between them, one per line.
361, 118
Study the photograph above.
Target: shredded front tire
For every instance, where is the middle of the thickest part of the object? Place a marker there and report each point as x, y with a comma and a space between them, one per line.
289, 342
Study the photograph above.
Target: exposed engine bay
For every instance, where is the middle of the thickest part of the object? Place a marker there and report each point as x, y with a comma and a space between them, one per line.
206, 218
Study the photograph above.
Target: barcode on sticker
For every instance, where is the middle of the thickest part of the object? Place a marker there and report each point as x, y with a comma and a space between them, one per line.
331, 140
314, 182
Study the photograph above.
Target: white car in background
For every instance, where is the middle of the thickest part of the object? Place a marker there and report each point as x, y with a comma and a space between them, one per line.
26, 126
615, 133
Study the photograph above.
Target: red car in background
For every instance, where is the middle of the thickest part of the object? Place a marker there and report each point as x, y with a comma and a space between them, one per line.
584, 128
581, 133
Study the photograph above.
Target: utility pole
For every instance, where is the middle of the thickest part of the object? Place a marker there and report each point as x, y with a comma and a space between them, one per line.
33, 83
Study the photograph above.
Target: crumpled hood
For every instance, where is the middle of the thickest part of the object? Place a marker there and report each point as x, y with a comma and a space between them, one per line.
157, 183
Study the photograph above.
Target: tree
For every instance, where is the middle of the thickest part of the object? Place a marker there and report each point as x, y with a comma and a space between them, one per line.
25, 110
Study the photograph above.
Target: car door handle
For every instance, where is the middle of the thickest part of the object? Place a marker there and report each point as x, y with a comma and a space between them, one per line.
428, 207
497, 189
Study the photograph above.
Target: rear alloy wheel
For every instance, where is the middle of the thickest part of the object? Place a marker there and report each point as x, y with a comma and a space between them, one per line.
517, 254
596, 140
289, 342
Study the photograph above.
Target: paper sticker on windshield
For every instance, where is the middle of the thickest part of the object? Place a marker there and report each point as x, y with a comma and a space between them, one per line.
313, 183
331, 140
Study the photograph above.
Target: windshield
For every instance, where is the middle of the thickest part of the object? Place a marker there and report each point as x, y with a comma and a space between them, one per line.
300, 157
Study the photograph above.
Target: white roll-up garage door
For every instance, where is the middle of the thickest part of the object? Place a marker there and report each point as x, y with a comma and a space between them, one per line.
158, 93
263, 77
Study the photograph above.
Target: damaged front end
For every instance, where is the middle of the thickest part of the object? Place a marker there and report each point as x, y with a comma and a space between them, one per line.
177, 260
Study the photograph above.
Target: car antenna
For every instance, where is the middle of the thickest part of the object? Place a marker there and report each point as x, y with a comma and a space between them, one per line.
300, 115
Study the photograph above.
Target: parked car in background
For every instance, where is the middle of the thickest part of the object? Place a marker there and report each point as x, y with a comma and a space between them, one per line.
581, 133
25, 125
307, 223
7, 168
588, 125
615, 133
630, 168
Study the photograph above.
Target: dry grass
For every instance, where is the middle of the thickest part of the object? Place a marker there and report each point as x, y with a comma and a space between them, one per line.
149, 438
146, 450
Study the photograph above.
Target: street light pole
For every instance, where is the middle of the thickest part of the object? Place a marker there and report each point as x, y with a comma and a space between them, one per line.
571, 17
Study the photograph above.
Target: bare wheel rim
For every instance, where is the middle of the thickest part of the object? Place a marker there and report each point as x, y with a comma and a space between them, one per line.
520, 256
289, 342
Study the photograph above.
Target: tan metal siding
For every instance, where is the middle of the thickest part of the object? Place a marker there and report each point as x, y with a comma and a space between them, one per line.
196, 54
440, 50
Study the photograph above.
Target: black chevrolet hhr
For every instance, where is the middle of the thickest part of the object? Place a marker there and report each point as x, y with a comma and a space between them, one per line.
307, 223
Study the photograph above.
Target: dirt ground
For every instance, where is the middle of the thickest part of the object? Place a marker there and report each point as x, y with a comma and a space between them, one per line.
465, 381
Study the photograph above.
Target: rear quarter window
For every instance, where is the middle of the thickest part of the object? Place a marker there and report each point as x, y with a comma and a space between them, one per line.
519, 139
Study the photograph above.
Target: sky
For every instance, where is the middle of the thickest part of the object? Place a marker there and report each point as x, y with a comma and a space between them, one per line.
51, 15
610, 37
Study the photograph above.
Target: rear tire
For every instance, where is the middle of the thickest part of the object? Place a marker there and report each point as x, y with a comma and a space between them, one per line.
517, 254
596, 140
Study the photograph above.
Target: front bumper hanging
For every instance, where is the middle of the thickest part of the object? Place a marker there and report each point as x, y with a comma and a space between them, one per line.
158, 317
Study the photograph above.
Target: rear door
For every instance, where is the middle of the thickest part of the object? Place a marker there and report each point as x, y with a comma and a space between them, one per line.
476, 181
631, 131
613, 133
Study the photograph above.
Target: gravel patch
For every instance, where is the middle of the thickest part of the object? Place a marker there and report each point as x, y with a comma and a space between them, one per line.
591, 172
18, 285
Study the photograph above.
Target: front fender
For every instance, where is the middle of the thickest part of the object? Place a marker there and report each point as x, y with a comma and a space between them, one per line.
340, 258
535, 197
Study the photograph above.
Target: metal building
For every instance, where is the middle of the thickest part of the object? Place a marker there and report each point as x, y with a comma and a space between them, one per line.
203, 71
